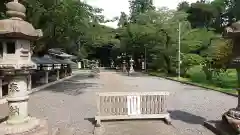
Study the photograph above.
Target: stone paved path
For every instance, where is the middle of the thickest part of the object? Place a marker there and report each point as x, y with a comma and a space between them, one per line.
71, 103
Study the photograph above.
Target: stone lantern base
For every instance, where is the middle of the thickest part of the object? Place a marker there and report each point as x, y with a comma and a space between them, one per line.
232, 118
229, 125
131, 70
33, 126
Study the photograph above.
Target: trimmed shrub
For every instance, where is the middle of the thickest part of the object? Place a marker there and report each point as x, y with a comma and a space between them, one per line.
196, 74
226, 79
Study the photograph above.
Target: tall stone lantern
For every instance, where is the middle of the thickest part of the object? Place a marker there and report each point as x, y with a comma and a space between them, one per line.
16, 35
131, 65
232, 116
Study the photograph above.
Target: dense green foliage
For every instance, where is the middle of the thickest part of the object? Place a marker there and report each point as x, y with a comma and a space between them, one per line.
69, 24
76, 27
204, 53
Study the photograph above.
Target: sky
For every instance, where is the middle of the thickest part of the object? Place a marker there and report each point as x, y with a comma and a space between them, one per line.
113, 8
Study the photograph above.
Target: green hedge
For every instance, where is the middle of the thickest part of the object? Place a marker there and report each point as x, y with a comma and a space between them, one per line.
226, 79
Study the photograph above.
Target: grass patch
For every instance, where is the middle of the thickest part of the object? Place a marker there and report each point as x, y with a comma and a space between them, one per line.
200, 84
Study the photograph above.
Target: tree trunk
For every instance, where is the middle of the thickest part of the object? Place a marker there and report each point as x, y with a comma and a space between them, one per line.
208, 73
168, 64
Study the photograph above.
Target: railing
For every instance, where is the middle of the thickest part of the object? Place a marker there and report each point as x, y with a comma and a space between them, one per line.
128, 105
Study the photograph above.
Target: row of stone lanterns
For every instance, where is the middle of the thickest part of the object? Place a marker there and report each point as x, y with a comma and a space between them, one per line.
124, 67
124, 63
48, 64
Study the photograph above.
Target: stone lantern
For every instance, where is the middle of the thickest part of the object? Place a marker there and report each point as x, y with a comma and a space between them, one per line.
57, 67
97, 64
131, 65
16, 35
112, 64
232, 117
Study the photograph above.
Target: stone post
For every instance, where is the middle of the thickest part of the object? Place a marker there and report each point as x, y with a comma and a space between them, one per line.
97, 64
143, 65
124, 66
79, 65
65, 72
29, 82
46, 77
57, 76
1, 84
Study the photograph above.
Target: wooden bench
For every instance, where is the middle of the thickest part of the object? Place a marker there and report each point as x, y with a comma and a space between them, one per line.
132, 105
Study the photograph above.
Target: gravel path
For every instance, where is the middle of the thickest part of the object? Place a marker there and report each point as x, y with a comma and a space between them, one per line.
71, 103
189, 106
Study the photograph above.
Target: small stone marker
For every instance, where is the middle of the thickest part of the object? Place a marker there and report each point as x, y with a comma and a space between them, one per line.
63, 131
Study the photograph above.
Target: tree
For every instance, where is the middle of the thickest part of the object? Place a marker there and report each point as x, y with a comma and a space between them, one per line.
67, 24
123, 20
139, 6
2, 8
202, 14
183, 6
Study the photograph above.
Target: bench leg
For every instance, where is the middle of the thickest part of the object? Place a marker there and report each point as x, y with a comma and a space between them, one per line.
168, 120
98, 123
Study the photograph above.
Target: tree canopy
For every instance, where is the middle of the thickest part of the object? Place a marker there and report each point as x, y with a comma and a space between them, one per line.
77, 27
69, 24
157, 31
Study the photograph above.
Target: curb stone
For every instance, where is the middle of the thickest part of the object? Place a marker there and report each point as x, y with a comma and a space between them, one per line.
3, 100
196, 85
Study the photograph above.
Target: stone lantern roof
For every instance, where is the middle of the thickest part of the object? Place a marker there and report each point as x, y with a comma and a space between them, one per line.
232, 31
15, 26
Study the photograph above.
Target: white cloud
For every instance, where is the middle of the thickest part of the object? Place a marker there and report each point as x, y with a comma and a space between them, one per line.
113, 8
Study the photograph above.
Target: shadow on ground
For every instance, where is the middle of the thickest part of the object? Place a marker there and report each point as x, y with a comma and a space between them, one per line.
3, 119
73, 86
220, 127
91, 120
186, 117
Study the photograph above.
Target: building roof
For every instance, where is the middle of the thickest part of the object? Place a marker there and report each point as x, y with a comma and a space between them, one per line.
49, 60
60, 61
41, 60
59, 52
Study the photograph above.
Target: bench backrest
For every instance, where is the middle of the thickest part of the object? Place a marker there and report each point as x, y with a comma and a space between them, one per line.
129, 103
